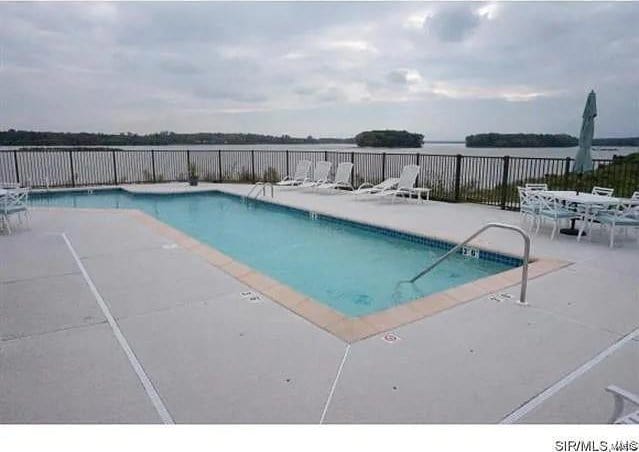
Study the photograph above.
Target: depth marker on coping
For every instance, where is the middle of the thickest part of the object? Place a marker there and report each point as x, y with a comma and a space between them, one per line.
137, 367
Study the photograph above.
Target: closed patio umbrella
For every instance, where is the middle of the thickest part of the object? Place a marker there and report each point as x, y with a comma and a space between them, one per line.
583, 159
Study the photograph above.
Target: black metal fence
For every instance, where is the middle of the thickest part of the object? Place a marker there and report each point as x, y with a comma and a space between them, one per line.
453, 178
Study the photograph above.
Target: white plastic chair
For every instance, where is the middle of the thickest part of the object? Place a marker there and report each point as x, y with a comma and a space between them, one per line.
590, 212
406, 183
552, 210
624, 215
342, 178
621, 397
13, 202
532, 186
300, 176
320, 175
528, 206
602, 191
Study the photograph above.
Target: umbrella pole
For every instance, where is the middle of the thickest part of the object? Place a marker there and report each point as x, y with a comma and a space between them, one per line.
572, 230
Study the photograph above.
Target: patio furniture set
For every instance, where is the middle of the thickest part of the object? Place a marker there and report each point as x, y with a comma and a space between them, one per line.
539, 204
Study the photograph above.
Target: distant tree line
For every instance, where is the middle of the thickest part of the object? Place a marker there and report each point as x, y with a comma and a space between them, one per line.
520, 140
13, 137
389, 139
630, 141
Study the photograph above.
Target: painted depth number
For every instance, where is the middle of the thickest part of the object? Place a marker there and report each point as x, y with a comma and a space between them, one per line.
469, 251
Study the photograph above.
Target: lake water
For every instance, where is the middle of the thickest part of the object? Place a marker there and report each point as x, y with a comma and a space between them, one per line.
427, 148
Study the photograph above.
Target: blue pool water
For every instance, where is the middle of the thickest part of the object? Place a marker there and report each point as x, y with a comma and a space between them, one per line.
349, 267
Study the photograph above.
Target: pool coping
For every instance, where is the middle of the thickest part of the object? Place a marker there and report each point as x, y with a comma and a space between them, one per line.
346, 328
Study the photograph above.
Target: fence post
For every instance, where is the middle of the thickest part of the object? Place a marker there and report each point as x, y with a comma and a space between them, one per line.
72, 170
115, 170
352, 157
504, 182
383, 165
188, 164
417, 163
153, 164
15, 164
253, 165
287, 171
458, 176
219, 164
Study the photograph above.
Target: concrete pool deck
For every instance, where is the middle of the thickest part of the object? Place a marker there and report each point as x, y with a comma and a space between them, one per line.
211, 354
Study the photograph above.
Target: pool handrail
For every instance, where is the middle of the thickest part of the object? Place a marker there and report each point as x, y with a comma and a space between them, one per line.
524, 271
263, 186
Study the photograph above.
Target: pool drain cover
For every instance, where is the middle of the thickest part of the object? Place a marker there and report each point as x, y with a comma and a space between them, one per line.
169, 246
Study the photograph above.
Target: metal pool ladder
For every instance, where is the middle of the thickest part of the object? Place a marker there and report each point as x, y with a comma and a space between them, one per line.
256, 192
524, 271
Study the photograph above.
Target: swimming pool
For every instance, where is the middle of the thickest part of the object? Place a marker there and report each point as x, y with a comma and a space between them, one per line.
351, 267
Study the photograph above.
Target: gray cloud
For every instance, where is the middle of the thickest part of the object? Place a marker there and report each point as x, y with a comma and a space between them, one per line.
318, 68
453, 23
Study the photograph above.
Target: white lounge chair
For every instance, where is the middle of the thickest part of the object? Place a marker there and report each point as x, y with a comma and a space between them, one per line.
320, 175
369, 189
13, 202
342, 178
301, 175
405, 185
621, 396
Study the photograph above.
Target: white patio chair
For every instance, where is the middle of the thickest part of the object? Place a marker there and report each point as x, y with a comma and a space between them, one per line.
529, 206
13, 202
602, 191
589, 213
320, 175
369, 189
625, 215
301, 175
405, 185
551, 209
342, 178
532, 186
621, 396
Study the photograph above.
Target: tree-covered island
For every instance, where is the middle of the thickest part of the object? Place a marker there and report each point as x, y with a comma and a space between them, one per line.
389, 139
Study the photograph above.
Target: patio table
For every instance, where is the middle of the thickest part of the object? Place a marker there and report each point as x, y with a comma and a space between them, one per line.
573, 199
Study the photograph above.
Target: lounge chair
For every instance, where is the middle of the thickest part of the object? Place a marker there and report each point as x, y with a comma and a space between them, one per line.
406, 183
300, 176
342, 178
622, 396
320, 175
369, 189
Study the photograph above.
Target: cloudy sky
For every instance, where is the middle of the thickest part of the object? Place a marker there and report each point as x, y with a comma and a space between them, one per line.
324, 69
